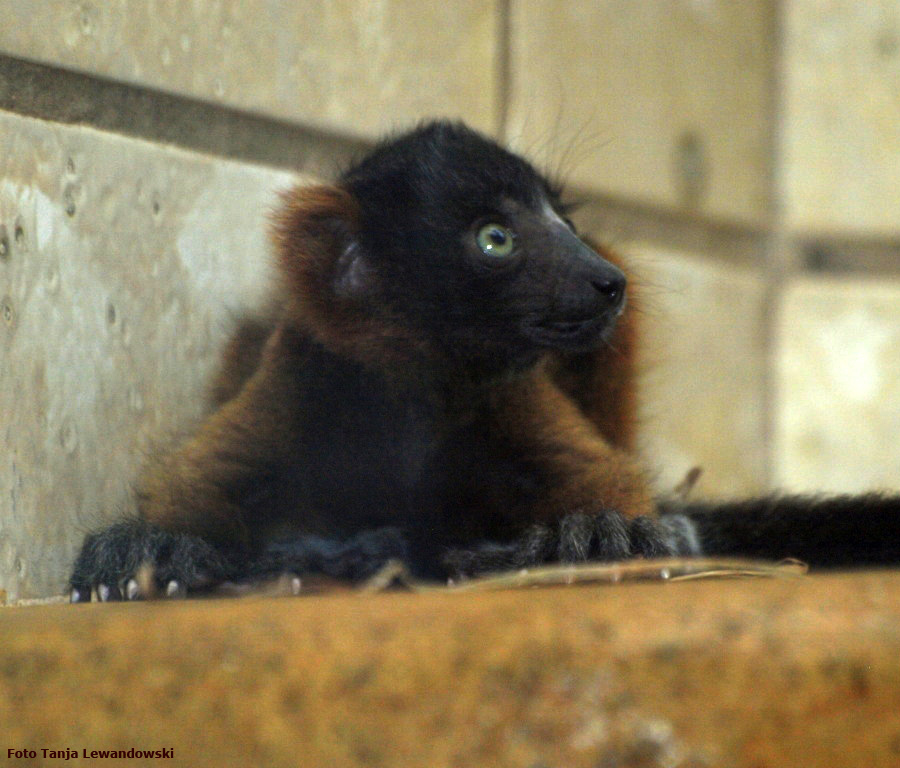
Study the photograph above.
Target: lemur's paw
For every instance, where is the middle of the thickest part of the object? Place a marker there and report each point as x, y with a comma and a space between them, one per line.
134, 560
608, 536
352, 559
578, 537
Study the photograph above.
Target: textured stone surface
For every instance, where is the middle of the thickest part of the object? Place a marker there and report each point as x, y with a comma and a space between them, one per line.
743, 674
703, 370
838, 379
841, 125
121, 265
340, 65
662, 102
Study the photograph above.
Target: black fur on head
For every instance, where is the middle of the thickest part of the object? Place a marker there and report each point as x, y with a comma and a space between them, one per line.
468, 245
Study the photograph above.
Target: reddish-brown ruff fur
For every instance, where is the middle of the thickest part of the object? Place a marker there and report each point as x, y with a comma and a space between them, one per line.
240, 358
311, 231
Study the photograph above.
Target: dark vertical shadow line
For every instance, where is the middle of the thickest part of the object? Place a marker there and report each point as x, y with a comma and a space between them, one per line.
503, 66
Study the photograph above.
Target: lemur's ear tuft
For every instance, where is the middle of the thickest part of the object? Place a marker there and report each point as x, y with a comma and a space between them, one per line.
332, 287
315, 233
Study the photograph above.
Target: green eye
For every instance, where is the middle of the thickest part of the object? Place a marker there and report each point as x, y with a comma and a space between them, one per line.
495, 240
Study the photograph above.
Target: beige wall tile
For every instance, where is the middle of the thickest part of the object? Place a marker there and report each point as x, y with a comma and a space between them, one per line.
838, 383
341, 65
841, 122
661, 102
122, 265
703, 361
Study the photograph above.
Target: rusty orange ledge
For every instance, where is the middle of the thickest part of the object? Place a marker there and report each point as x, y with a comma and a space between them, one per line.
755, 673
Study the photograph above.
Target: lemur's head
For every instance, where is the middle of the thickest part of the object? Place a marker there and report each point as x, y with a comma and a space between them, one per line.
443, 240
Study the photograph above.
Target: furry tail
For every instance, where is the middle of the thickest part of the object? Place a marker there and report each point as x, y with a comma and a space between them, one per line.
824, 531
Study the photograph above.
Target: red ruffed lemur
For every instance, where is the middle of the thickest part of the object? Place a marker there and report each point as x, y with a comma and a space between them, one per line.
446, 378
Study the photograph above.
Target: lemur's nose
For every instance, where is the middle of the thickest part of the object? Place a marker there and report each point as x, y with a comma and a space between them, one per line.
612, 288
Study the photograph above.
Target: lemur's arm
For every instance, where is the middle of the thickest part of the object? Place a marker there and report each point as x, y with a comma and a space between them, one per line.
220, 483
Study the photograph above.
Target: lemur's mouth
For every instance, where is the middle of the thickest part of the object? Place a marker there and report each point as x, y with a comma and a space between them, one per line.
567, 327
573, 334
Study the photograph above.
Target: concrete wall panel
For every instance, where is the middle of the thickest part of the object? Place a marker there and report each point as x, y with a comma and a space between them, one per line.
340, 65
661, 102
121, 263
838, 386
841, 121
702, 396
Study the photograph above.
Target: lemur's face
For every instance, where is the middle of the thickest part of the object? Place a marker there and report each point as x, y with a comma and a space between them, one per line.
473, 248
540, 280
